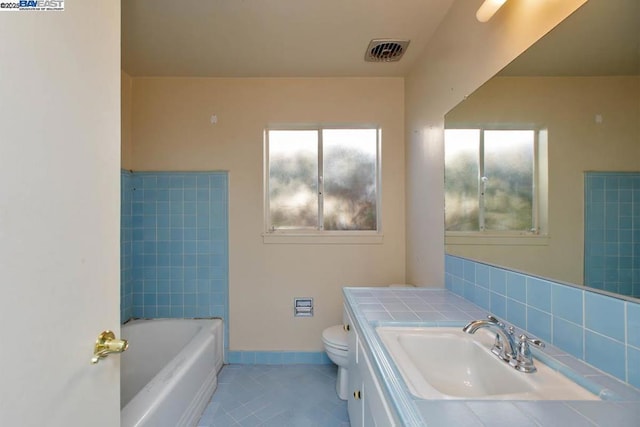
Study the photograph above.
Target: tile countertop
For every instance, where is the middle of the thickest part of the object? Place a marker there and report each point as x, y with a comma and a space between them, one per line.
373, 307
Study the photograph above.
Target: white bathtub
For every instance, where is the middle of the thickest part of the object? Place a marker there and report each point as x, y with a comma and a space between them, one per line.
169, 372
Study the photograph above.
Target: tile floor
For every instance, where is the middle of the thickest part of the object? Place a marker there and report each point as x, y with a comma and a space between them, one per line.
278, 396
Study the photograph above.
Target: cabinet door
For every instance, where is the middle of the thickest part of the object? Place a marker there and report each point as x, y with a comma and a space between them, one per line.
352, 340
354, 404
356, 395
368, 419
376, 408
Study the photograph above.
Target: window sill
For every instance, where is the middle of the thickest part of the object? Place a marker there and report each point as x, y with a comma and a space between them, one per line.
498, 240
327, 238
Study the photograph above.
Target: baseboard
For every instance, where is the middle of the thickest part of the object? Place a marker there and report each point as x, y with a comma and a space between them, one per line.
278, 358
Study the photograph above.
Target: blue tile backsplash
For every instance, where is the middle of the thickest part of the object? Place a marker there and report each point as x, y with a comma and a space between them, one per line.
174, 245
612, 231
604, 331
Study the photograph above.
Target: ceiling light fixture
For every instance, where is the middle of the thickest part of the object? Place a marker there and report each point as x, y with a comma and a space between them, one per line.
488, 9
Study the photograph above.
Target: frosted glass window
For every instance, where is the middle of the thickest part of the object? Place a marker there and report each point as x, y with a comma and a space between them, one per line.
461, 179
293, 183
508, 179
490, 180
349, 174
322, 179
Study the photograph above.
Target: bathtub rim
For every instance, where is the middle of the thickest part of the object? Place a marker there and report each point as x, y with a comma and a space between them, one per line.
140, 409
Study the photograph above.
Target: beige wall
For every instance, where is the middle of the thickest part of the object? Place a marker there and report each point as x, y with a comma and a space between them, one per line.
126, 101
172, 131
567, 107
460, 57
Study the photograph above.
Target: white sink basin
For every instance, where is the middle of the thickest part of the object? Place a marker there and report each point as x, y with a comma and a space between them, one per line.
446, 363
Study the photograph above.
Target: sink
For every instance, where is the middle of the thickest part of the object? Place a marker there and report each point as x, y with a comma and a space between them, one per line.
446, 363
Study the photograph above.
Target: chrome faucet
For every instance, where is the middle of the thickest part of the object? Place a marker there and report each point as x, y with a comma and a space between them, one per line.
504, 346
518, 355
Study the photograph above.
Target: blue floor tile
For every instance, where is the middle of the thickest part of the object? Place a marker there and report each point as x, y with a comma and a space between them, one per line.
276, 395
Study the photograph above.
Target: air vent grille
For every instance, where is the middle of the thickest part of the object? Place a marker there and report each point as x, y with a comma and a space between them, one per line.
385, 50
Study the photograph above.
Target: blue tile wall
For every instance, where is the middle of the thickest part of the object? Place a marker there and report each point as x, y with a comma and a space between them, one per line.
603, 331
180, 242
175, 245
612, 231
126, 246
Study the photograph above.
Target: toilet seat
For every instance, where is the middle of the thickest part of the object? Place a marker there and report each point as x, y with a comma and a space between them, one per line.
335, 337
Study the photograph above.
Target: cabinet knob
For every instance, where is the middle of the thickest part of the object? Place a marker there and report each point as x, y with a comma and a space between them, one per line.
346, 327
357, 395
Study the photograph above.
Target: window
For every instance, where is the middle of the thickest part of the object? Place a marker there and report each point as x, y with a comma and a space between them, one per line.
322, 179
491, 181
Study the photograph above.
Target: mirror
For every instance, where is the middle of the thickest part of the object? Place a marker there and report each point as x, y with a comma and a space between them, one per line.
579, 86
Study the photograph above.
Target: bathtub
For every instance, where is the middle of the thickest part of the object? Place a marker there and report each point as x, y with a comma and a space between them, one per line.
170, 370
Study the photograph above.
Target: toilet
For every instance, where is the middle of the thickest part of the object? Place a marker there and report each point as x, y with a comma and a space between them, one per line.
334, 339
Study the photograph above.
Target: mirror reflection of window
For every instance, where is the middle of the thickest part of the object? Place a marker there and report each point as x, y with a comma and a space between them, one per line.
462, 169
490, 180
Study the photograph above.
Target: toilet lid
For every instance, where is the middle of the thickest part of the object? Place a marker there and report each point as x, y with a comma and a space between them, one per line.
335, 336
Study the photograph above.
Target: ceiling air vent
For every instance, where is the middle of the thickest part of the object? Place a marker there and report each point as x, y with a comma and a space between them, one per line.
385, 50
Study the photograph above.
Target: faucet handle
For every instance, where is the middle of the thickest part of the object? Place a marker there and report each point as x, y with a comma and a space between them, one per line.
523, 361
495, 320
533, 341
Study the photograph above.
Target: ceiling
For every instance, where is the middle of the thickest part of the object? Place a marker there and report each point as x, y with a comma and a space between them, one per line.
272, 38
601, 38
311, 38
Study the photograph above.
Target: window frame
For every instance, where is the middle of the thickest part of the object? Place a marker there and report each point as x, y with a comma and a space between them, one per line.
319, 234
538, 234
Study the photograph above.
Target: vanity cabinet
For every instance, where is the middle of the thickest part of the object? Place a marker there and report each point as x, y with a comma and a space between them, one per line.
366, 405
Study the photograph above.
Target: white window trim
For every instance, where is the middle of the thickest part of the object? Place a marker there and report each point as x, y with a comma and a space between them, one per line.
319, 235
479, 238
325, 238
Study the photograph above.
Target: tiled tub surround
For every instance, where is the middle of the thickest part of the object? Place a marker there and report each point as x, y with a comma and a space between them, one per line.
372, 307
601, 330
176, 260
612, 231
174, 254
126, 240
